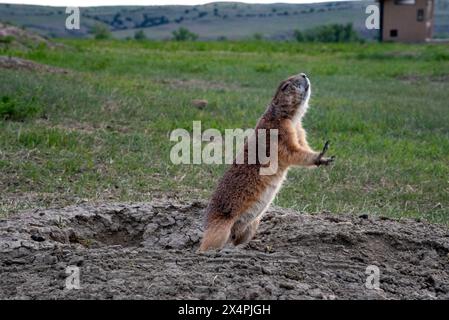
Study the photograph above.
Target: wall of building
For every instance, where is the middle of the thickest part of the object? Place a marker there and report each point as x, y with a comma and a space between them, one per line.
404, 19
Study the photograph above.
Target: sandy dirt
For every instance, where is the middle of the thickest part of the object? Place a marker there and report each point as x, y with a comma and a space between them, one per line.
147, 251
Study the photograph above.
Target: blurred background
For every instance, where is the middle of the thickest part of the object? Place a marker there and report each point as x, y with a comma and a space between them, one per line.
214, 21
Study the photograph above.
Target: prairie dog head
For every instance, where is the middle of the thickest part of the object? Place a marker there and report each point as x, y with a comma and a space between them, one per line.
292, 97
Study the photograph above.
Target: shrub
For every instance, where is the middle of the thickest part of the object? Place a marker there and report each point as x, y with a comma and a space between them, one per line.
101, 32
328, 33
140, 35
257, 36
184, 34
299, 36
6, 39
12, 110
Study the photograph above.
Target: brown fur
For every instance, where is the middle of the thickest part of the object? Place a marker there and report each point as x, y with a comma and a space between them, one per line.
238, 196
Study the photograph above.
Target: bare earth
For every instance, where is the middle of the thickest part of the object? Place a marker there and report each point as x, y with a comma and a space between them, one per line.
147, 251
23, 64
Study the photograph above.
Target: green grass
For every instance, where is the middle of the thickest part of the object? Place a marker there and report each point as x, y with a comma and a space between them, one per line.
101, 132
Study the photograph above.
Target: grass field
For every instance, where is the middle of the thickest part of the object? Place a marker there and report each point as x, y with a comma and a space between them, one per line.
101, 132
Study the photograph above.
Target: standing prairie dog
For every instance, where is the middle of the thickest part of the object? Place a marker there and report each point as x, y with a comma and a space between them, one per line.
243, 194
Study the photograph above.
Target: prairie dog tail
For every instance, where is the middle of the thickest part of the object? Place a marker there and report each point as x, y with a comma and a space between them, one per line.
217, 234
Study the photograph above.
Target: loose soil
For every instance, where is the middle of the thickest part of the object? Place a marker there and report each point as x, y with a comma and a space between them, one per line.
148, 251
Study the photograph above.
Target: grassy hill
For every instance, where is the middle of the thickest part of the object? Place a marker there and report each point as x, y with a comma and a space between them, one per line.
210, 21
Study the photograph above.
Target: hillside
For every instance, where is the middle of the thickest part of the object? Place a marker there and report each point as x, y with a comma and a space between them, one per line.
210, 21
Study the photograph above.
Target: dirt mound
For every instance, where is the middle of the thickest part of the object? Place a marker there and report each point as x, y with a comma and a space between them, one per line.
148, 251
417, 79
18, 38
22, 64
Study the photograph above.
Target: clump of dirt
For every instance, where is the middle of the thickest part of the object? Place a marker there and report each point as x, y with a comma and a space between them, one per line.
148, 250
443, 78
23, 64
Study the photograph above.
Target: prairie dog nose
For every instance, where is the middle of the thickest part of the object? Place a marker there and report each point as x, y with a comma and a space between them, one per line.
306, 80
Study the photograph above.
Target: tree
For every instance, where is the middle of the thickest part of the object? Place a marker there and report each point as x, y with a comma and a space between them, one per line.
101, 32
184, 34
140, 35
257, 36
299, 36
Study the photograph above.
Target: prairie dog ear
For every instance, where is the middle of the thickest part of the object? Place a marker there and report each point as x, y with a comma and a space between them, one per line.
285, 86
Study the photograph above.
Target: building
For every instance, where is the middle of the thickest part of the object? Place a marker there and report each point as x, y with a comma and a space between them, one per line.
406, 20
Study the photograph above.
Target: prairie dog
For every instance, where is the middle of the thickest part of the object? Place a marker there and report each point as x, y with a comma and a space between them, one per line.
243, 195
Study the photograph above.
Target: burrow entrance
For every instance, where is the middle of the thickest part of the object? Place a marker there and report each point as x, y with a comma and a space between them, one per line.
164, 225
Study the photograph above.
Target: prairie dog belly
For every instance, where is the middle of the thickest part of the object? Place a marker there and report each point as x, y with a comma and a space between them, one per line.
261, 205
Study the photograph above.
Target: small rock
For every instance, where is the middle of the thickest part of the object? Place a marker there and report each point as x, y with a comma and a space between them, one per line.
200, 103
165, 221
49, 259
78, 261
302, 287
287, 286
315, 293
266, 271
